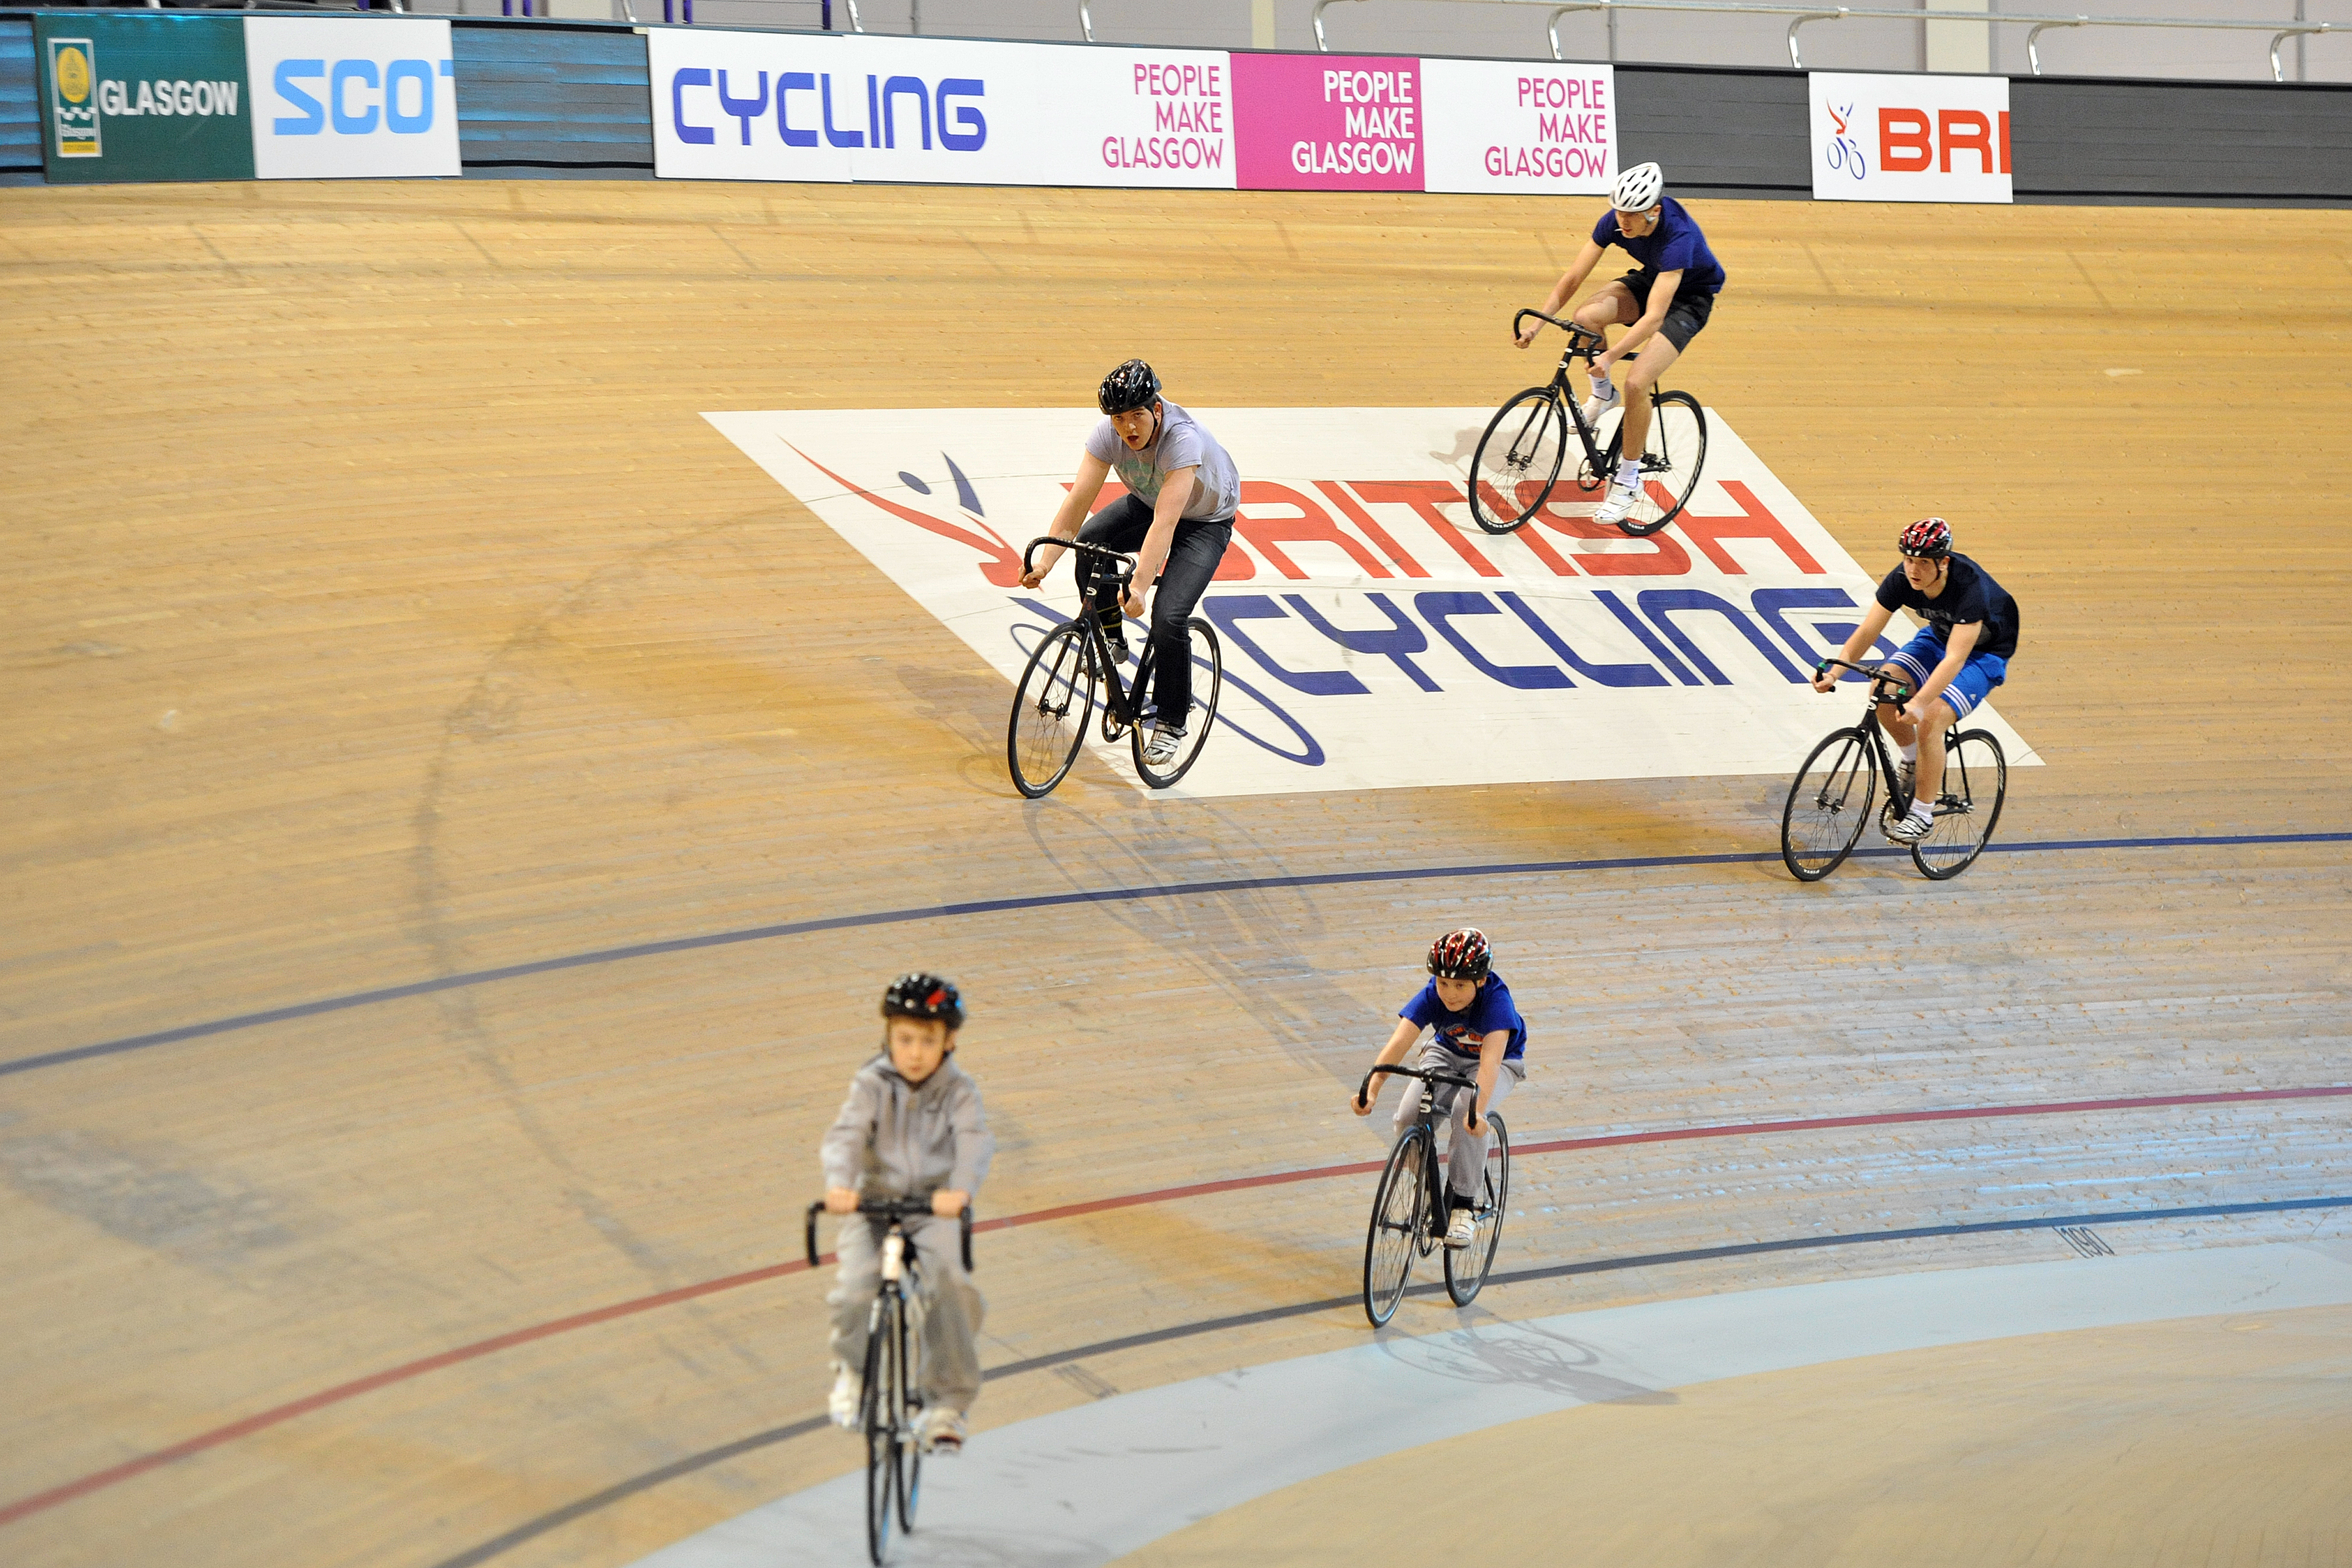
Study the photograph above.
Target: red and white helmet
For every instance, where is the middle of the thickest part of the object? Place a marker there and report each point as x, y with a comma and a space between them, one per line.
1460, 955
1929, 539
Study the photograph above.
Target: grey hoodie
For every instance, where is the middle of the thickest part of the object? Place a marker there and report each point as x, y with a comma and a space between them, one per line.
896, 1140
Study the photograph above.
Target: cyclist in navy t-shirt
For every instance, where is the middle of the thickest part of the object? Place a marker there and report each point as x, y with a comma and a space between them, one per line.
1477, 1033
1951, 667
1665, 302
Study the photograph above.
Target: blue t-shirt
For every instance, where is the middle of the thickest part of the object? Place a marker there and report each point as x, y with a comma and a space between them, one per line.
1489, 1010
1675, 245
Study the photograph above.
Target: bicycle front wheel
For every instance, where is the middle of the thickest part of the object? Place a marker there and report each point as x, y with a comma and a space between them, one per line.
1968, 806
1466, 1268
1397, 1207
1050, 710
907, 1474
1828, 806
1208, 681
883, 1415
1518, 460
1672, 455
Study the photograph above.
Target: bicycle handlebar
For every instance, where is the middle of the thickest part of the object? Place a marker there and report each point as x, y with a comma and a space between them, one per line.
892, 1209
1126, 562
1425, 1074
1577, 333
1877, 676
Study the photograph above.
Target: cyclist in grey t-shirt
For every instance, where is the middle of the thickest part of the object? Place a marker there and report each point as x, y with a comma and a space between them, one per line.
1178, 513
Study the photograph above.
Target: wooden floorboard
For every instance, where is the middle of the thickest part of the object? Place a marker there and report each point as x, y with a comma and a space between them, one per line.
380, 608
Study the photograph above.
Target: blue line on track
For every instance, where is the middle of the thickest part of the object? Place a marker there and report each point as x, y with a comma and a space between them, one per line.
1053, 901
531, 1530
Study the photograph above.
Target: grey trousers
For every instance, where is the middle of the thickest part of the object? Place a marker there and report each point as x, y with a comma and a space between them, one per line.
1465, 1156
953, 1306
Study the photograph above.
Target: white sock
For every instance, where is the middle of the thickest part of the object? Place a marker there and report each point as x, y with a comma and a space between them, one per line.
1911, 753
1922, 810
1603, 388
1629, 473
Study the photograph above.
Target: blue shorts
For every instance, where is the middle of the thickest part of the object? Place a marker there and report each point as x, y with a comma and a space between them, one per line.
1969, 689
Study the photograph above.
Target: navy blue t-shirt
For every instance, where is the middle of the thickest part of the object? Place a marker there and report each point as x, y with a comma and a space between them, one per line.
1969, 595
1674, 244
1489, 1010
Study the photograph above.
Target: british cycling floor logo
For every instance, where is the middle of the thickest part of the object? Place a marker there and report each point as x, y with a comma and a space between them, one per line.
1374, 639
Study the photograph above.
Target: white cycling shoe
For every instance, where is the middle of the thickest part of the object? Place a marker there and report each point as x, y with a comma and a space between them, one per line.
1622, 498
847, 1396
1596, 406
1463, 1229
940, 1431
1167, 740
1912, 828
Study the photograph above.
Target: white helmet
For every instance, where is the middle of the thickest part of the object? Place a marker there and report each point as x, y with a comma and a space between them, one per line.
1638, 188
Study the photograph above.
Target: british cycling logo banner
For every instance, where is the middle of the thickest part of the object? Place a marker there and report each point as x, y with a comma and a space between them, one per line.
1374, 636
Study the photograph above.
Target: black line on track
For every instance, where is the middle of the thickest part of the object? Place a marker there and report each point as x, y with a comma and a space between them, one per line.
532, 1530
1056, 901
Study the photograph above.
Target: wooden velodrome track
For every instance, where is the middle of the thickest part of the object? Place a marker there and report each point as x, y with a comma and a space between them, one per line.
380, 613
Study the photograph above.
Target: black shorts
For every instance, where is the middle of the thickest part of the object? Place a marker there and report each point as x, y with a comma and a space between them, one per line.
1684, 317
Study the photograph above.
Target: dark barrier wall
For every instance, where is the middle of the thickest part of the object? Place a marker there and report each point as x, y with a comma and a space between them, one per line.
555, 100
20, 112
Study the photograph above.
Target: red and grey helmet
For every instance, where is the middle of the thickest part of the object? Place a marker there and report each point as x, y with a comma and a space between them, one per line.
1460, 955
923, 994
1134, 384
1929, 539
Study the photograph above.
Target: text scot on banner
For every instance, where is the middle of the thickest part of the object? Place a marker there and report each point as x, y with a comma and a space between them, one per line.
1374, 639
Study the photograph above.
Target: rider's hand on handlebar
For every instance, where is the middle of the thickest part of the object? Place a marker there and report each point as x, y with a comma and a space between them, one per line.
948, 1201
1131, 601
1359, 1104
1475, 1128
840, 1200
1825, 679
1529, 336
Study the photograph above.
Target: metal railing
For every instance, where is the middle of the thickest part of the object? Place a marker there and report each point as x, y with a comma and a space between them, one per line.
2036, 24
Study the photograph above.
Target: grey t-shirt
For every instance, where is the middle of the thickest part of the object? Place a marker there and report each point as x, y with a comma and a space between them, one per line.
1182, 444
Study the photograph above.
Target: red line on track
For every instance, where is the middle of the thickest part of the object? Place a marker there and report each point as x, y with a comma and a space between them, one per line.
261, 1420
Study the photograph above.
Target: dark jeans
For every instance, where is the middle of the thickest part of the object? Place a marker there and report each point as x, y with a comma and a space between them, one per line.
1192, 560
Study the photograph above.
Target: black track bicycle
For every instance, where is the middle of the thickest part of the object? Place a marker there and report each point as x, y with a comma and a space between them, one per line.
893, 1396
1072, 671
1526, 446
1830, 803
1409, 1206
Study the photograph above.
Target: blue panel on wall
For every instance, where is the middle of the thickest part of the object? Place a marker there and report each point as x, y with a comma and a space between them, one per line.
535, 97
20, 108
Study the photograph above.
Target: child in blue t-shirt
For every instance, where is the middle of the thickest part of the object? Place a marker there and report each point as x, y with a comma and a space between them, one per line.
1477, 1033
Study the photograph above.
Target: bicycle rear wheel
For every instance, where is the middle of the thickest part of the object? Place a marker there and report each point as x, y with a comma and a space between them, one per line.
1397, 1206
1524, 445
883, 1414
1050, 710
1208, 681
1968, 806
1466, 1268
1828, 806
1671, 456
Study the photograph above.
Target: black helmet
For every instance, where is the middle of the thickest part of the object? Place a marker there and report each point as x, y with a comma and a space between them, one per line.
1132, 386
923, 994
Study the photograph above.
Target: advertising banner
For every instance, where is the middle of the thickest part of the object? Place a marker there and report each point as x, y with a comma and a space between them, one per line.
766, 106
351, 98
1374, 636
1910, 138
1328, 122
152, 97
1527, 129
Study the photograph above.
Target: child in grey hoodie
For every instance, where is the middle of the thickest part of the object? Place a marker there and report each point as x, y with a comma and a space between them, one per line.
911, 1128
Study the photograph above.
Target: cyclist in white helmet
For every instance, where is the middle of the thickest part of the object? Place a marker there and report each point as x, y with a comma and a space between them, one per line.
1665, 301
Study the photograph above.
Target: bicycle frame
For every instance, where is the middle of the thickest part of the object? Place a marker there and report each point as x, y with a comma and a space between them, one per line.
1583, 344
1428, 1119
1895, 696
1124, 701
